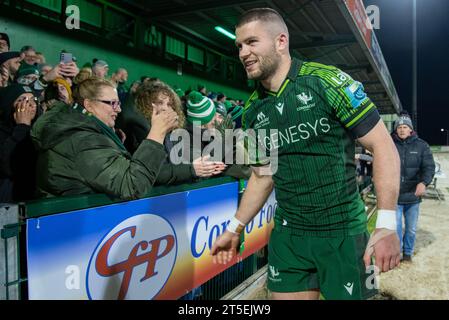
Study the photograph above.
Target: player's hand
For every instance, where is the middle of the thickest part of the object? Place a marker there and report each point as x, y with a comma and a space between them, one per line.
225, 247
384, 245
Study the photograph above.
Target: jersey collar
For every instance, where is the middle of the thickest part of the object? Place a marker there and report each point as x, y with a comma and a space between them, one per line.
291, 76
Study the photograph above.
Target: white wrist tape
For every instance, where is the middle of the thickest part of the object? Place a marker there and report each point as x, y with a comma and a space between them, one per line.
386, 219
235, 226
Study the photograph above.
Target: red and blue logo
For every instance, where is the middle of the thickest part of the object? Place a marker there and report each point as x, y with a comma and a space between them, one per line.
134, 260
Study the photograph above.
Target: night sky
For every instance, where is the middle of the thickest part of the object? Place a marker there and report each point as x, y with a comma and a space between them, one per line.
395, 39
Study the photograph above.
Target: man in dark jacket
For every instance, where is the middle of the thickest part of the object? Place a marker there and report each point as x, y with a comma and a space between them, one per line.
417, 170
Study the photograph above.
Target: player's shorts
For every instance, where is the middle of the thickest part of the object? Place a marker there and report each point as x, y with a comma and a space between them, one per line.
334, 266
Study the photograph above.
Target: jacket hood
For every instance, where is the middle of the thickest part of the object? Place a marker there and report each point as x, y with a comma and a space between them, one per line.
58, 124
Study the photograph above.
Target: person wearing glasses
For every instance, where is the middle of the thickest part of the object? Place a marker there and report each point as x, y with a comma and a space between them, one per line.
18, 110
80, 153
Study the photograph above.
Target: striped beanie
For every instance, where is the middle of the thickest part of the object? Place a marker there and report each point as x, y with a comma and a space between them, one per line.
200, 108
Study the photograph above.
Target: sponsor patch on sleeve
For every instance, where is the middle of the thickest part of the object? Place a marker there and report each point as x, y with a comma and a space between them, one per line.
356, 94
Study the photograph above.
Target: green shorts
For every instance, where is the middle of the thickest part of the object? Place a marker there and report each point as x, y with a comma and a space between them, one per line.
334, 266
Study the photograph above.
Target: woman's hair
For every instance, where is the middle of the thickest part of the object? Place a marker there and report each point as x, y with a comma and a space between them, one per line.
90, 88
148, 94
84, 74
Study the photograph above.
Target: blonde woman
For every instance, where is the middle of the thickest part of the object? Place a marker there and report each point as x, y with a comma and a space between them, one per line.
80, 153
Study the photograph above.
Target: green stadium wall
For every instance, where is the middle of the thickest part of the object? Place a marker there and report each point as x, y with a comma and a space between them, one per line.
50, 44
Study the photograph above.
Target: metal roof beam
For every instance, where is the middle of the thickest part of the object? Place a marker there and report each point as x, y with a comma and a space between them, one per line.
198, 7
323, 43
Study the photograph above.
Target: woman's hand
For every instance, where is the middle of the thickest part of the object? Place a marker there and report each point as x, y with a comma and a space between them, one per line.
205, 168
25, 111
162, 123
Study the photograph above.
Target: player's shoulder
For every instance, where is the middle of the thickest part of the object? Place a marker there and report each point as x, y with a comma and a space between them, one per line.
329, 74
249, 107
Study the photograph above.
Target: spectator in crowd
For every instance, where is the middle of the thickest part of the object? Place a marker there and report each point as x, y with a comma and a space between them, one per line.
55, 85
235, 113
228, 105
44, 68
40, 58
4, 42
212, 96
119, 79
85, 73
221, 112
143, 79
17, 156
202, 117
100, 69
27, 74
202, 89
28, 55
221, 98
9, 64
417, 171
86, 155
134, 86
159, 96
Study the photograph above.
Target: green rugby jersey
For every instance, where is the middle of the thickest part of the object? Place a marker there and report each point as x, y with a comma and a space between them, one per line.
318, 112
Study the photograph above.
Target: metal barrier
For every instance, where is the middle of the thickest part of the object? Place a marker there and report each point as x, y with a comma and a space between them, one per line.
10, 252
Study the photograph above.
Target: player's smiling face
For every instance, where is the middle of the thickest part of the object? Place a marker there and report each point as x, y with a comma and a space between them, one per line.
257, 50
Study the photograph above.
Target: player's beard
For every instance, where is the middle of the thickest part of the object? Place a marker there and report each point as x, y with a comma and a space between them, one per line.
268, 64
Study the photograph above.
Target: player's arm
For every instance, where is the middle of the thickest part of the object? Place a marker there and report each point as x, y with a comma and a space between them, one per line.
256, 194
360, 117
384, 243
386, 166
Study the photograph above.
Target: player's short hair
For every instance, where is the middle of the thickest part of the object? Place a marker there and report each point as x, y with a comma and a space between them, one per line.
267, 15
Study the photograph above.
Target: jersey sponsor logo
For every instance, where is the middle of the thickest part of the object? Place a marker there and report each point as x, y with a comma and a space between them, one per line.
305, 101
263, 120
134, 260
356, 94
342, 77
349, 286
280, 107
293, 134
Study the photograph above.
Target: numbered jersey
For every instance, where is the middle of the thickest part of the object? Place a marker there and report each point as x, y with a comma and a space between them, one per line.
308, 129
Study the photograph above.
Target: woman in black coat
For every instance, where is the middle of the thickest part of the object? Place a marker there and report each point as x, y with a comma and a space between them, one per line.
18, 109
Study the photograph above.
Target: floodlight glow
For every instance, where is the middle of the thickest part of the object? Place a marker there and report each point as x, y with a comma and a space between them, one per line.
225, 32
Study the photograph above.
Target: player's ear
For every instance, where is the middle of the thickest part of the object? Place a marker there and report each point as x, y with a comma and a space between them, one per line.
282, 42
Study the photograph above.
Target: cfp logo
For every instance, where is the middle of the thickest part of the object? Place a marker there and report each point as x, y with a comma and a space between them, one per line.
134, 260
